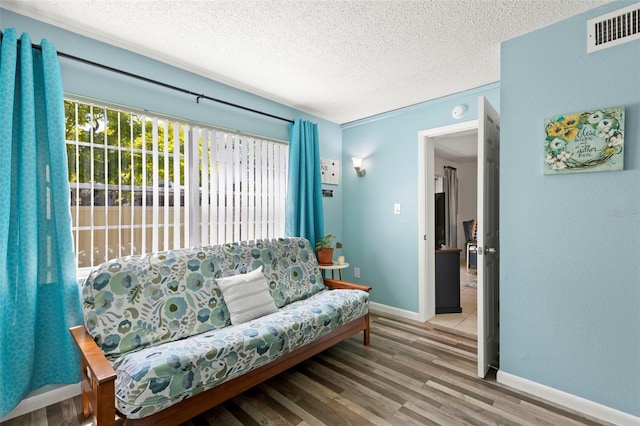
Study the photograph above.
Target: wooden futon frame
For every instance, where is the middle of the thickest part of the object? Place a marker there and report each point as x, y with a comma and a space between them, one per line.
98, 377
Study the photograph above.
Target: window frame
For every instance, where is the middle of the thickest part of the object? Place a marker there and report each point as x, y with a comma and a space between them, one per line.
190, 190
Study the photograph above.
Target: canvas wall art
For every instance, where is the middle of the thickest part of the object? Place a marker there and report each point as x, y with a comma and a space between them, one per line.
590, 141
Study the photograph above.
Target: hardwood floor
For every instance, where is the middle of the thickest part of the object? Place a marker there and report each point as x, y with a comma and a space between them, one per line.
412, 374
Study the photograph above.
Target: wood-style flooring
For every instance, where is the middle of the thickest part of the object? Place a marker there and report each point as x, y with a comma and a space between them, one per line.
412, 374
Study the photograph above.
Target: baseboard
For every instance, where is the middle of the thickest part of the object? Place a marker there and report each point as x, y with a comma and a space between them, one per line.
568, 400
43, 397
384, 309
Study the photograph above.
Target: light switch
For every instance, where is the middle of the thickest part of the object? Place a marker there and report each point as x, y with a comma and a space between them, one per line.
396, 208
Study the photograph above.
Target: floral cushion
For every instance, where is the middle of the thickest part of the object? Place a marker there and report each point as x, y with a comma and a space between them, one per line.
154, 378
134, 302
289, 264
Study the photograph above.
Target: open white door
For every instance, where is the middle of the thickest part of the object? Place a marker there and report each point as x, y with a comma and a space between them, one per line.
488, 235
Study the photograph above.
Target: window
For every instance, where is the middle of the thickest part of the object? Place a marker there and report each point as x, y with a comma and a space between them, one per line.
143, 183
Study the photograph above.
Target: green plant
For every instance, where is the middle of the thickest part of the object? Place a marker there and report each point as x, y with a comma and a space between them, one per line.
325, 243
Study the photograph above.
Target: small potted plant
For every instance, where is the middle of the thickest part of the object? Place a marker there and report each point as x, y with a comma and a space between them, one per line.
324, 249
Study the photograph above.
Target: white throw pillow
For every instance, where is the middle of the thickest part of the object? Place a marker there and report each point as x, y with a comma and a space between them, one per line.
247, 296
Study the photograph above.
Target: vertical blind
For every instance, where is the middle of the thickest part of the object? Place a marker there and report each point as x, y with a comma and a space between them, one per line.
143, 183
242, 187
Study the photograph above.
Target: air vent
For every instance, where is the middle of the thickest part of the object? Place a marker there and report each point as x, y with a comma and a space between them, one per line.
614, 28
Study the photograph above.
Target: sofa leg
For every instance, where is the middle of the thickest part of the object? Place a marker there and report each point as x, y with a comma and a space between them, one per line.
86, 409
86, 413
367, 337
98, 401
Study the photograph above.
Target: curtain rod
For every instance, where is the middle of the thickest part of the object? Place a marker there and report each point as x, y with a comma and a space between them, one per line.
156, 82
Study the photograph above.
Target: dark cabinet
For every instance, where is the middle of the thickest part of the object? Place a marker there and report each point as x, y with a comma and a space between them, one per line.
448, 281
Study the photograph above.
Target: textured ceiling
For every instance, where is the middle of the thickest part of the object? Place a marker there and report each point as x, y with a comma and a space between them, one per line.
340, 60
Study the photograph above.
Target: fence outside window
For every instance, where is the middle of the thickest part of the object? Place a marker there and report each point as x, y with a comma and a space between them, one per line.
143, 183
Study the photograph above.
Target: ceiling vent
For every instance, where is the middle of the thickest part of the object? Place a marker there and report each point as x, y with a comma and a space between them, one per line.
614, 28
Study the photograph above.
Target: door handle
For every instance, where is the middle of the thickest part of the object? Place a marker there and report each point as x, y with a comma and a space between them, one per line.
490, 250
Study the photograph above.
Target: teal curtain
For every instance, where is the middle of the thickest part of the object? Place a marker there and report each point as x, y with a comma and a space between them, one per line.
304, 215
39, 293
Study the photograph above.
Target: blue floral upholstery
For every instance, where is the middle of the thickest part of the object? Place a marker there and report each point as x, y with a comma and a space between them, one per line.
163, 323
157, 377
137, 301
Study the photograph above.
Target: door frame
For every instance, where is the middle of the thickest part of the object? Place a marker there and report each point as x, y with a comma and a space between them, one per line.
426, 215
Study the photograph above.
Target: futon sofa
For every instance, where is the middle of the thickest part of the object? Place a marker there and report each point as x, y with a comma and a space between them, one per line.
168, 335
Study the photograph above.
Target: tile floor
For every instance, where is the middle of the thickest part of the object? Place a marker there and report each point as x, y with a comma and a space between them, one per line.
467, 321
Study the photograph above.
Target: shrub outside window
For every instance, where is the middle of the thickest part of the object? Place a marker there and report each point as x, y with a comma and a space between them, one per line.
142, 183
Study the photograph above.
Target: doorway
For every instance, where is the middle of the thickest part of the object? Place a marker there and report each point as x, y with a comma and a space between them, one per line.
488, 224
426, 211
459, 150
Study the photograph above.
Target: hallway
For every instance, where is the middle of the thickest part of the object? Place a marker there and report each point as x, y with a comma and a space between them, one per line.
467, 320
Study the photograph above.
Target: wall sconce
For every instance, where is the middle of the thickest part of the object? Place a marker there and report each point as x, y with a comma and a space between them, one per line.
357, 164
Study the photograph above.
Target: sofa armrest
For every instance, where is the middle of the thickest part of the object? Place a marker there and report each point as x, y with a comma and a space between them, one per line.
98, 379
345, 285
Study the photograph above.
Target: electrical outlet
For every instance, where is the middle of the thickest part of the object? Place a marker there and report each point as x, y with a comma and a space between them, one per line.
356, 272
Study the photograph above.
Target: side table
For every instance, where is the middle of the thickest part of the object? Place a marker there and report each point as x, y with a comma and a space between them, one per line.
334, 267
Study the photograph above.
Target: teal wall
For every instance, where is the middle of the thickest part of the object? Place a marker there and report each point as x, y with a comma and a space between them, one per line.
570, 292
570, 299
383, 245
94, 83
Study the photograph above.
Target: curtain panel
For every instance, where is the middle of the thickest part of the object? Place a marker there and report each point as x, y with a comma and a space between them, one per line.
39, 293
451, 191
304, 214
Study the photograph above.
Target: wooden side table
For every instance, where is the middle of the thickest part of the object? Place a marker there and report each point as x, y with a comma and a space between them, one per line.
334, 267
